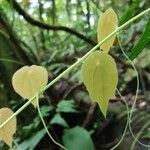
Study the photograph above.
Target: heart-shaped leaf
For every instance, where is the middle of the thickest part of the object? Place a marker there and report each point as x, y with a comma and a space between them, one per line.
100, 78
30, 80
108, 22
7, 132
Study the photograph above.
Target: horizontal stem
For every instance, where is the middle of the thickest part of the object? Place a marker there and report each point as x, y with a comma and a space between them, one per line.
75, 64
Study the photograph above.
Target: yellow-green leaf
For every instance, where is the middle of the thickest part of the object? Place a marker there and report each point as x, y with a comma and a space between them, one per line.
7, 132
100, 78
108, 22
29, 80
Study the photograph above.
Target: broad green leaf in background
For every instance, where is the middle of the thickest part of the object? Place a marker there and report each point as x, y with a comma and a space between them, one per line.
67, 106
27, 81
142, 43
107, 23
32, 127
31, 143
130, 11
45, 110
77, 138
100, 78
57, 119
7, 132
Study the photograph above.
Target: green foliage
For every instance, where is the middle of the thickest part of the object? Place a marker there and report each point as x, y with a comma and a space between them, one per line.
77, 138
30, 129
142, 42
46, 109
66, 106
147, 135
30, 144
57, 119
130, 11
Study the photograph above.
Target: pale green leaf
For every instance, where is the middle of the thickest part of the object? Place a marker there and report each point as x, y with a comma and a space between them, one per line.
7, 132
29, 80
108, 22
100, 78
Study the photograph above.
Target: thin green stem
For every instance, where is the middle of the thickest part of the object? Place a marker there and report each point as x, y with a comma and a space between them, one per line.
16, 144
137, 77
17, 112
127, 122
135, 98
46, 129
76, 63
139, 134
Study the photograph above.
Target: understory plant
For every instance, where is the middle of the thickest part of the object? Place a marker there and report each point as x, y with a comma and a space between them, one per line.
100, 77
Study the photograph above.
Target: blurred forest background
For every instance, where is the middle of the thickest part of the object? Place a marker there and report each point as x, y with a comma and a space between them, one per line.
54, 34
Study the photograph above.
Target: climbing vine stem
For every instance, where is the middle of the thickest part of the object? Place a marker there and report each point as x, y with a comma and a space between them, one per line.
135, 99
45, 127
127, 122
16, 144
79, 61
